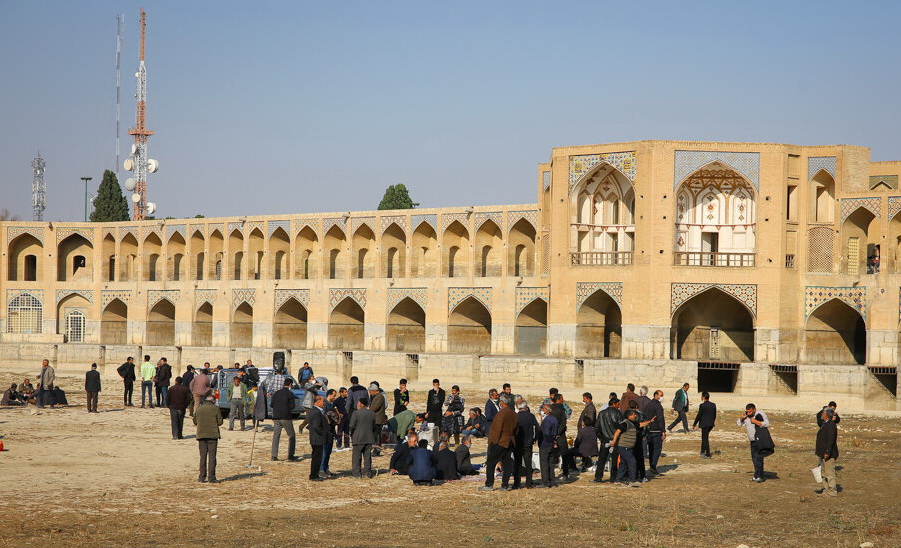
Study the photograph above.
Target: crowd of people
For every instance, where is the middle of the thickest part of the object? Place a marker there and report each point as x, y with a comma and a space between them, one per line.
622, 438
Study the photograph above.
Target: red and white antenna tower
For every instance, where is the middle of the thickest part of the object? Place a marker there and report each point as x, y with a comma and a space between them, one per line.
139, 162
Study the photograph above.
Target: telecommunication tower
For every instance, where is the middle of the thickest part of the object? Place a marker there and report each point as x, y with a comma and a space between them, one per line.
38, 189
139, 162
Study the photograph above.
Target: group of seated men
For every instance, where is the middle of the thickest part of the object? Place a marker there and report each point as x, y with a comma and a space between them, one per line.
16, 395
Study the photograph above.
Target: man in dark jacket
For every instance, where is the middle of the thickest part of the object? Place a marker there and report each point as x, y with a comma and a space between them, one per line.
492, 407
608, 421
401, 460
464, 459
422, 464
317, 425
446, 463
435, 403
179, 399
163, 379
526, 434
827, 451
656, 431
680, 407
92, 387
589, 411
282, 419
567, 461
362, 435
832, 405
501, 441
127, 372
706, 417
186, 382
547, 446
208, 420
355, 393
627, 397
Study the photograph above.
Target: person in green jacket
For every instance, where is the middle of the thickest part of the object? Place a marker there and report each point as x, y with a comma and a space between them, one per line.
208, 420
236, 395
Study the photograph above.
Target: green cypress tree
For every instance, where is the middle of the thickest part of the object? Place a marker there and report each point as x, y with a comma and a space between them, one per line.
396, 197
110, 204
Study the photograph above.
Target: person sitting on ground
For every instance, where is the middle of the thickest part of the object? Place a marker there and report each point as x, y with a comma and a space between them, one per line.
27, 390
586, 443
464, 462
422, 467
476, 425
446, 463
401, 460
11, 396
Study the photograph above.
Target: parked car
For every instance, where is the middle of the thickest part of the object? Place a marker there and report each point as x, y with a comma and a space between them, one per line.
258, 377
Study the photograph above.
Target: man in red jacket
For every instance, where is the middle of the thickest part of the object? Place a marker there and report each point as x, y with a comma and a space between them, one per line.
501, 440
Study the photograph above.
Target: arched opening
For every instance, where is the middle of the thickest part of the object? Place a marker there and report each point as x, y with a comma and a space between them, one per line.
114, 323
822, 198
394, 261
203, 326
406, 327
153, 248
256, 254
161, 324
217, 255
469, 328
290, 326
198, 256
836, 334
713, 325
489, 243
306, 250
279, 248
74, 259
71, 314
128, 255
602, 216
236, 254
425, 244
346, 326
860, 249
25, 314
363, 250
893, 248
24, 264
521, 249
109, 258
599, 328
242, 326
456, 245
531, 328
175, 249
335, 242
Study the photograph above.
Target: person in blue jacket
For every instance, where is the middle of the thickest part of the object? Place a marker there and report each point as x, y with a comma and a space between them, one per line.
422, 469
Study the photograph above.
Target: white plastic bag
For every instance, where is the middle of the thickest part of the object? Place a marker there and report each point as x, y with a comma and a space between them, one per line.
817, 474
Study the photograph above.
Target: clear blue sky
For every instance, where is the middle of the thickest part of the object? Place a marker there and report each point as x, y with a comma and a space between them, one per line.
284, 107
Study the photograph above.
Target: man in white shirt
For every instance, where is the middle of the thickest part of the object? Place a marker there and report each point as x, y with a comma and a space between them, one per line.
751, 419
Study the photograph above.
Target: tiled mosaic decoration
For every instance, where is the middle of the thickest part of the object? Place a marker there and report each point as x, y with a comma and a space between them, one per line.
13, 293
64, 232
456, 295
299, 225
235, 226
301, 295
855, 297
335, 296
399, 220
894, 206
889, 180
745, 163
431, 220
357, 222
546, 179
124, 230
272, 226
156, 295
420, 295
63, 293
204, 296
448, 218
745, 293
172, 229
109, 295
817, 163
148, 230
545, 253
582, 164
217, 226
14, 232
587, 289
243, 295
850, 205
328, 223
196, 231
525, 295
496, 216
530, 215
253, 225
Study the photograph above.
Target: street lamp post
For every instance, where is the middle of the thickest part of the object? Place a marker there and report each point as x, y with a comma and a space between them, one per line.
86, 179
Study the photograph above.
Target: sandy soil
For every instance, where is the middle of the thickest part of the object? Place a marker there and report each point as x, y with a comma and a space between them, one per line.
117, 479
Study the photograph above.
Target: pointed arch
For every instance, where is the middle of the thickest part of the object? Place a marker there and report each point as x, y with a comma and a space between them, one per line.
363, 246
217, 260
455, 243
175, 250
25, 314
521, 249
821, 197
489, 242
73, 305
530, 336
75, 259
256, 254
114, 323
290, 325
161, 324
469, 328
26, 259
405, 329
242, 326
424, 251
128, 257
335, 243
346, 325
835, 333
306, 254
280, 253
202, 326
394, 252
198, 258
713, 325
236, 255
599, 327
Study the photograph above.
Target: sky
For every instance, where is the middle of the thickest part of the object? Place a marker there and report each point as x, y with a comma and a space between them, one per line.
277, 107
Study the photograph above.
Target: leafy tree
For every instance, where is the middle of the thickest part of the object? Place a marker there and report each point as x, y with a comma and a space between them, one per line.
5, 215
110, 204
396, 197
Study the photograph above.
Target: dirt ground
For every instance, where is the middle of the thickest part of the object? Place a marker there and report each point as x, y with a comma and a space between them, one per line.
116, 478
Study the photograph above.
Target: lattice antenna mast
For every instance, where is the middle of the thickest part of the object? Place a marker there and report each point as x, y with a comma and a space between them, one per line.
139, 161
120, 37
38, 189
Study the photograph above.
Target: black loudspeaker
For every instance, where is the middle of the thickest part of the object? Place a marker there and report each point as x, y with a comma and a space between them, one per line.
278, 360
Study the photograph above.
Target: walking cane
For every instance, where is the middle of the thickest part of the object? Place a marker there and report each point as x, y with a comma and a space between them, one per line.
253, 442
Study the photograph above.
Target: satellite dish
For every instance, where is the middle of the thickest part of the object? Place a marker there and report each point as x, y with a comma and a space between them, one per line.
152, 165
92, 199
151, 207
128, 164
130, 185
136, 198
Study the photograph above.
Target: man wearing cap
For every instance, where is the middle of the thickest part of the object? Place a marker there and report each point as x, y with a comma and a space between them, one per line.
208, 420
92, 387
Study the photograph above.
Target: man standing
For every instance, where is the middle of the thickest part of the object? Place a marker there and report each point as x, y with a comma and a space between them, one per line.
362, 427
401, 397
434, 403
377, 404
208, 419
625, 440
567, 461
656, 431
680, 406
305, 374
501, 440
317, 425
200, 387
163, 378
92, 387
643, 400
832, 405
148, 371
827, 450
127, 372
526, 434
178, 400
186, 382
627, 397
492, 407
45, 388
589, 411
706, 417
236, 396
608, 421
547, 446
751, 419
333, 419
282, 419
355, 393
343, 434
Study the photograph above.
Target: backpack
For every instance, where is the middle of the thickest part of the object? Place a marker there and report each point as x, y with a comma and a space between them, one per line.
765, 444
